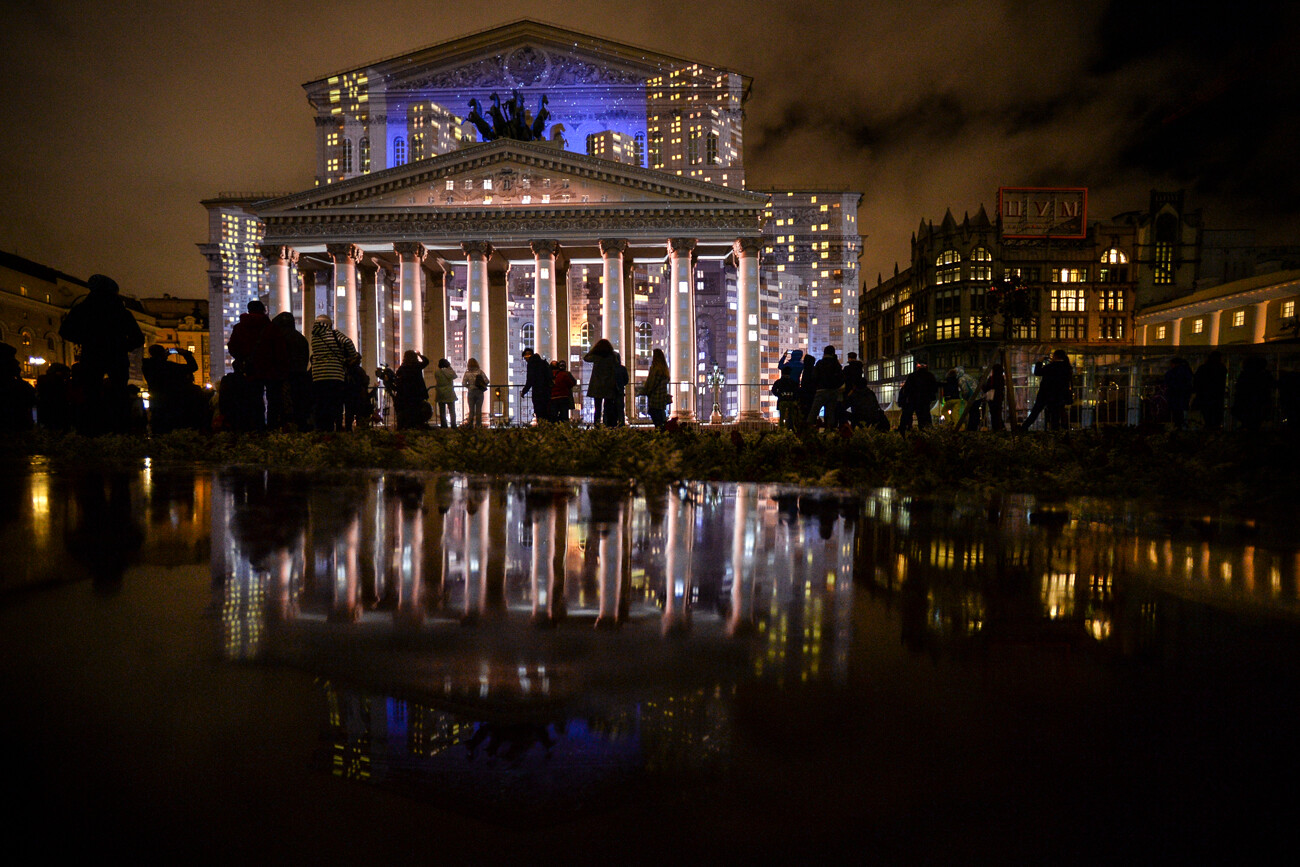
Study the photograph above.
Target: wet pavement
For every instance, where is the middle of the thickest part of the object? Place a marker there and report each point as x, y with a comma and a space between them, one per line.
329, 666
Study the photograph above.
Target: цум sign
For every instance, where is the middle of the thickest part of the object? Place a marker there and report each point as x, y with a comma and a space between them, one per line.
1043, 212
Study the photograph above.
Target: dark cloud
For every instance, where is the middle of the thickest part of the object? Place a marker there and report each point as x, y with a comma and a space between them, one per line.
121, 118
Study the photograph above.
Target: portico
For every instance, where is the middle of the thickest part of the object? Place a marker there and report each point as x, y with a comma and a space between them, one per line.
391, 241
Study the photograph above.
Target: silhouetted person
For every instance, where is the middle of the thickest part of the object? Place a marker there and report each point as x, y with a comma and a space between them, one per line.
444, 388
1210, 389
259, 357
655, 389
169, 385
602, 381
1053, 392
17, 397
411, 402
1253, 393
292, 407
828, 376
996, 389
538, 380
106, 331
920, 387
1178, 390
562, 385
54, 398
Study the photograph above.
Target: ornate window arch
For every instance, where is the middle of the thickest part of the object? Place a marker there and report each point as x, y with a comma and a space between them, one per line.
1114, 256
347, 156
399, 151
527, 336
364, 148
948, 265
584, 336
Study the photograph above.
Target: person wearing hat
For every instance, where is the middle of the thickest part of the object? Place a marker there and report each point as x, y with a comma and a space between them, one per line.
538, 380
331, 353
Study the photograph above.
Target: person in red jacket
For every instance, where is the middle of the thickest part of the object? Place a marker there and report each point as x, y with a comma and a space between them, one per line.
561, 391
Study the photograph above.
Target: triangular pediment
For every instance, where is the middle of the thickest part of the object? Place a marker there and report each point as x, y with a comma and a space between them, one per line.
524, 54
508, 174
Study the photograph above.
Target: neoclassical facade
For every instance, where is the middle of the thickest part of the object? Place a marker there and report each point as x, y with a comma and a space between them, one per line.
388, 245
437, 233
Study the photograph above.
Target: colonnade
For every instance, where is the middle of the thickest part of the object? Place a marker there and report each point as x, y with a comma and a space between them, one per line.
420, 320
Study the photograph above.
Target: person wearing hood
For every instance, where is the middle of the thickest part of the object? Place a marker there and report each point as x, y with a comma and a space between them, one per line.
828, 376
412, 399
331, 352
259, 357
602, 382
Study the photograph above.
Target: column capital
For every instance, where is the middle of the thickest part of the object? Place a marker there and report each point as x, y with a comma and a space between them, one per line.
412, 250
545, 248
747, 248
681, 246
476, 249
610, 246
276, 252
344, 251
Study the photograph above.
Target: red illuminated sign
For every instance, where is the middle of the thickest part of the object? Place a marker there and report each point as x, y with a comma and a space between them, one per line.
1043, 212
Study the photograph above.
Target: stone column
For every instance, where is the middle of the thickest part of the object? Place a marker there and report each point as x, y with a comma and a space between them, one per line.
1178, 332
681, 326
563, 341
504, 399
368, 317
1260, 323
748, 346
411, 284
611, 293
308, 318
544, 298
346, 257
611, 573
436, 288
278, 260
477, 339
1215, 316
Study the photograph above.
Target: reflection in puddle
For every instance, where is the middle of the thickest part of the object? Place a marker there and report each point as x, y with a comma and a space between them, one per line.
553, 645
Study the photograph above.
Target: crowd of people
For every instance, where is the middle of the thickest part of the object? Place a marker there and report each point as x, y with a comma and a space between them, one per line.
282, 380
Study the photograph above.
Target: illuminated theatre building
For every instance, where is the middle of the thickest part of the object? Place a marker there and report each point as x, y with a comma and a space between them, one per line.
451, 216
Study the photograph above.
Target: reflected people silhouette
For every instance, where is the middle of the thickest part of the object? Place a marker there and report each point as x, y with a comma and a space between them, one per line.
105, 536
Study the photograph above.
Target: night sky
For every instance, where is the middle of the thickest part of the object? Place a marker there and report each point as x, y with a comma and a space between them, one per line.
120, 118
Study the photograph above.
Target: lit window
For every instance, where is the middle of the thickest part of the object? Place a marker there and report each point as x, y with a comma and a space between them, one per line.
399, 151
1238, 318
1288, 309
1160, 332
1198, 326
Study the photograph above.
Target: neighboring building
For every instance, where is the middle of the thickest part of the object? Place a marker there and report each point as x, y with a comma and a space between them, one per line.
813, 235
391, 248
182, 323
1254, 310
617, 146
33, 301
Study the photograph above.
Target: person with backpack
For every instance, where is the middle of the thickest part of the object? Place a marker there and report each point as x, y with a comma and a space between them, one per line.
476, 384
786, 392
828, 376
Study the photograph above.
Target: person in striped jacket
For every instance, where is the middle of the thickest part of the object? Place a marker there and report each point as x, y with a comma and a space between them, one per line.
331, 353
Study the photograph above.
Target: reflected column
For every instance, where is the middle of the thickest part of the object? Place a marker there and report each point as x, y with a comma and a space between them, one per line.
344, 583
475, 555
540, 568
744, 537
611, 573
681, 543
